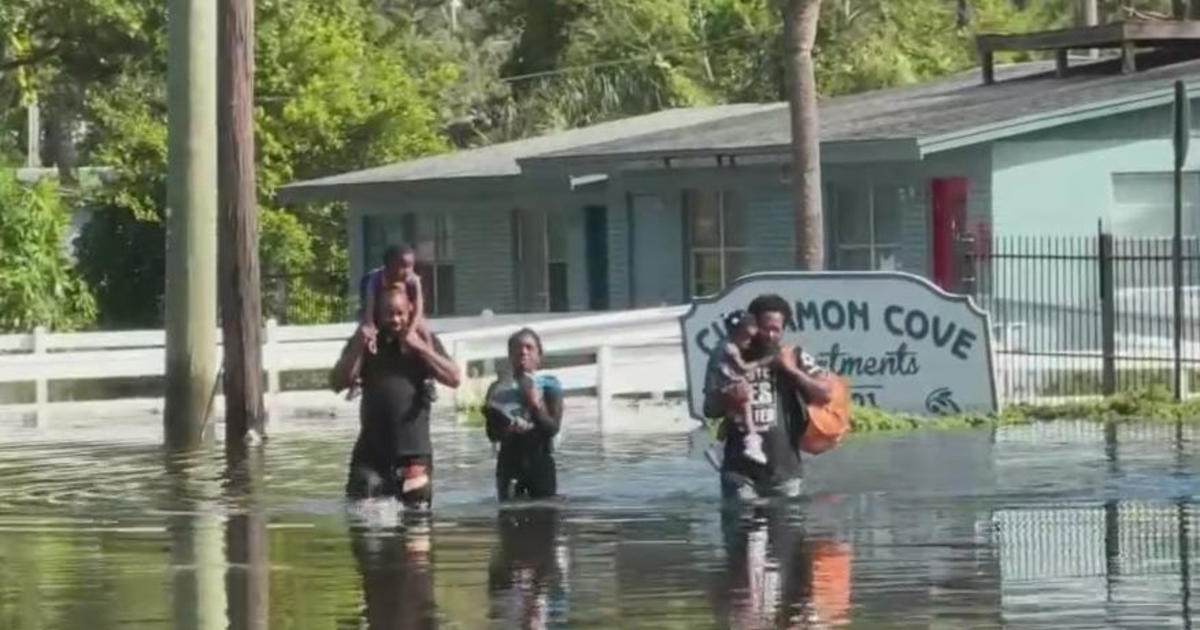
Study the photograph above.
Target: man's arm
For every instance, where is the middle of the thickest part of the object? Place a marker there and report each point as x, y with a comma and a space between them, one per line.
444, 370
804, 372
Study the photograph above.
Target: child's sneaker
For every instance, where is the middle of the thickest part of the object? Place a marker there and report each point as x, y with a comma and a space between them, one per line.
753, 448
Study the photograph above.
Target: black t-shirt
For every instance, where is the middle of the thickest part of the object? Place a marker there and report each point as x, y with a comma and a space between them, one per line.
778, 407
395, 406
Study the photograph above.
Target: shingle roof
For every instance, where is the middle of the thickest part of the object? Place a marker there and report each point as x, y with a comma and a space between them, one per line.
499, 160
954, 111
926, 113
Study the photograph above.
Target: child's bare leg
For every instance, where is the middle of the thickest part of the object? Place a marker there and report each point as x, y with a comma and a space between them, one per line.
745, 417
752, 439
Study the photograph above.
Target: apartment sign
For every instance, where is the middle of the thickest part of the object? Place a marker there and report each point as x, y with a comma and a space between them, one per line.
904, 344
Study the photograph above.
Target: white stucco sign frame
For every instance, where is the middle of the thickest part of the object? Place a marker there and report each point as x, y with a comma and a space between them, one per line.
903, 343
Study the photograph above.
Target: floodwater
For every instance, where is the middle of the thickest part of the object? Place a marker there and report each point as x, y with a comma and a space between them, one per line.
1060, 525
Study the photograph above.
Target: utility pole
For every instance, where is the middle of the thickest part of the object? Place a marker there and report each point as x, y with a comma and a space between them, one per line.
33, 133
800, 34
1091, 17
241, 309
1181, 140
191, 266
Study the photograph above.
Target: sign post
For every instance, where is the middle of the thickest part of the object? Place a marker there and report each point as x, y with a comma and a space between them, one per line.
903, 344
1181, 138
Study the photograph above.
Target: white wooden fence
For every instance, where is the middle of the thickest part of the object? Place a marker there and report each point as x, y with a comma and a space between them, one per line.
643, 344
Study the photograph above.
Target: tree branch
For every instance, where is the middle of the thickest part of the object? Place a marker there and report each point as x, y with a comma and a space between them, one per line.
32, 59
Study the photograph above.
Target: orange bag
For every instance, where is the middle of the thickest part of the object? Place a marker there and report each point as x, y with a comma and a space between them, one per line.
831, 581
828, 424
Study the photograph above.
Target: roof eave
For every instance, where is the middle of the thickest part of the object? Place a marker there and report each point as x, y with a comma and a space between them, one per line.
832, 151
1038, 122
316, 191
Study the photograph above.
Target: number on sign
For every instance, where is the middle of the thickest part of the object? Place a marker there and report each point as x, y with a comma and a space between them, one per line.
863, 400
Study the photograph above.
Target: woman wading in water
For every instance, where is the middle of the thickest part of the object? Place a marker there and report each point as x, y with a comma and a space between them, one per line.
523, 414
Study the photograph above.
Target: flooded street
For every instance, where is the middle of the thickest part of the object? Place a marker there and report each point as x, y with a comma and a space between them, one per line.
1060, 525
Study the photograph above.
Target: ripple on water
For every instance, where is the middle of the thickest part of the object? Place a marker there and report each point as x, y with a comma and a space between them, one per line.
1066, 527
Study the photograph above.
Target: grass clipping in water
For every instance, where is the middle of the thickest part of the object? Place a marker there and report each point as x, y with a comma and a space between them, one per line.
1154, 403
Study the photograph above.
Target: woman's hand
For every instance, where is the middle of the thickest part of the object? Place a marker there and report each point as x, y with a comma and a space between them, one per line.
529, 394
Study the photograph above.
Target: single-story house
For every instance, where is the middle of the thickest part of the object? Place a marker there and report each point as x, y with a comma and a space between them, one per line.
659, 208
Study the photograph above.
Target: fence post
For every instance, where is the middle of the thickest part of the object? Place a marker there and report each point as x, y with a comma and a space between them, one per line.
967, 263
271, 362
458, 352
603, 381
1108, 316
41, 413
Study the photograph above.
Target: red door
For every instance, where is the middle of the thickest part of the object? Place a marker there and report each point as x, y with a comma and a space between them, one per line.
949, 197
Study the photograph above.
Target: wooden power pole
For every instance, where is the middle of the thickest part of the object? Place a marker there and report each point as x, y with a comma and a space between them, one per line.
240, 300
800, 34
191, 266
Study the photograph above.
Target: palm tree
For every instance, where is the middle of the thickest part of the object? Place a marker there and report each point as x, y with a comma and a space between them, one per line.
800, 33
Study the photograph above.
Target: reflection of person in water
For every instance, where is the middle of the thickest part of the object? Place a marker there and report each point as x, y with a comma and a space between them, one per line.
777, 578
527, 574
397, 577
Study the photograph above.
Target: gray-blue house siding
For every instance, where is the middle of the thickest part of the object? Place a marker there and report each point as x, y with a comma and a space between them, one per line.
1040, 155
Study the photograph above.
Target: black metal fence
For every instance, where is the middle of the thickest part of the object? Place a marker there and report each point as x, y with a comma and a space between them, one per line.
313, 297
1080, 316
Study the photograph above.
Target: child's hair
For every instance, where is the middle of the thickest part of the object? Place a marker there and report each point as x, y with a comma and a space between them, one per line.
734, 320
396, 251
525, 332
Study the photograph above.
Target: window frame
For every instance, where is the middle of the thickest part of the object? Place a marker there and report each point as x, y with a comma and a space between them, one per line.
722, 249
875, 247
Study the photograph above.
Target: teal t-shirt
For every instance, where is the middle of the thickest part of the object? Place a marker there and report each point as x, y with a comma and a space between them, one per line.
506, 394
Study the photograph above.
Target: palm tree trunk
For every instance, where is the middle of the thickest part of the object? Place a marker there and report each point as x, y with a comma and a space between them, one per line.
800, 33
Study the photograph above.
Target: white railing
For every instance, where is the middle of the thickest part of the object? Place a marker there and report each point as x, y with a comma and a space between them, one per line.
643, 344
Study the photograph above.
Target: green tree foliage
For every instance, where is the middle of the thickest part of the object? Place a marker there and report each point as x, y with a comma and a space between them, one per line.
335, 91
347, 84
575, 62
38, 286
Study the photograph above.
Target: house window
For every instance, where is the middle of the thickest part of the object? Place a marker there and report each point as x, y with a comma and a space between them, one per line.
866, 224
717, 251
432, 236
1142, 220
1144, 204
556, 261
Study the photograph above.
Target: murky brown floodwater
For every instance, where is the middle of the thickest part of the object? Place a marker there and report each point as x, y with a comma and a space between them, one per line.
1067, 525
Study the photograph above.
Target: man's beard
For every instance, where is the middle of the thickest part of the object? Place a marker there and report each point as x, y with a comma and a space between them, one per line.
760, 347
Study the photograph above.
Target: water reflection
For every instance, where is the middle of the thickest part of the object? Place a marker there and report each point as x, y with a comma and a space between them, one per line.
396, 567
247, 547
1065, 525
527, 575
219, 551
776, 577
194, 526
